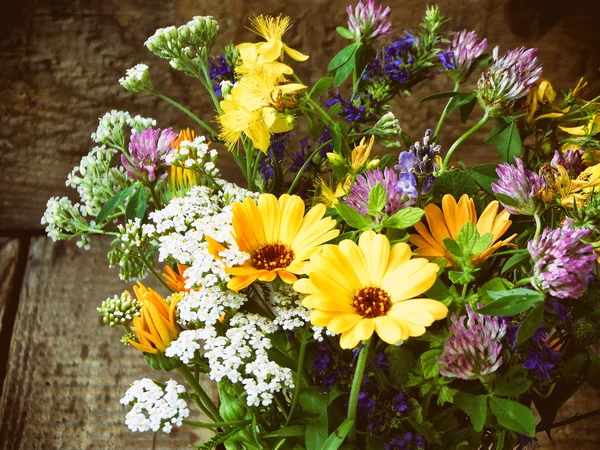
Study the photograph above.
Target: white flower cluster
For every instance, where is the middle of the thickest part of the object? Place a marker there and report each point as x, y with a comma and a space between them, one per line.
206, 305
188, 343
111, 128
65, 220
388, 130
195, 155
154, 407
95, 180
127, 247
120, 309
137, 79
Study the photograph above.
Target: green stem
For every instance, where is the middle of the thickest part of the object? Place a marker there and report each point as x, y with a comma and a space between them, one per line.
426, 402
296, 394
444, 113
188, 112
320, 110
204, 400
157, 203
538, 225
282, 407
460, 140
150, 267
235, 423
305, 165
361, 364
209, 88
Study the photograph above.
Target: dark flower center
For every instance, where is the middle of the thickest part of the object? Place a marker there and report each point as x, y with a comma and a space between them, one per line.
272, 256
372, 302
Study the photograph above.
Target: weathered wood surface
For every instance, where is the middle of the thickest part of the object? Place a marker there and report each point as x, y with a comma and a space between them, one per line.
9, 254
62, 58
67, 371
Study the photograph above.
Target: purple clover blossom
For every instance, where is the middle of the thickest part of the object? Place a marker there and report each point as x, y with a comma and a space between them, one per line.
474, 349
358, 199
571, 160
147, 153
521, 186
509, 78
461, 55
420, 161
368, 23
563, 263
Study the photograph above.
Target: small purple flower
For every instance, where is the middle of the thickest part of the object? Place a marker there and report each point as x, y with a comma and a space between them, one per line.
521, 186
322, 358
219, 70
447, 59
542, 361
365, 403
563, 263
463, 52
408, 442
562, 311
147, 153
394, 63
279, 142
421, 161
401, 403
571, 160
527, 443
325, 136
474, 349
368, 23
382, 361
358, 198
509, 78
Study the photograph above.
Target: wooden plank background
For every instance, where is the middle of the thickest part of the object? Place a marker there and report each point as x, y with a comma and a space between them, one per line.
62, 373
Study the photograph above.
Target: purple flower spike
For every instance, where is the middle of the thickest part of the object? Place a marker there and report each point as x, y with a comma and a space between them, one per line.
147, 152
421, 161
368, 23
520, 185
462, 54
563, 263
399, 193
474, 349
571, 160
510, 78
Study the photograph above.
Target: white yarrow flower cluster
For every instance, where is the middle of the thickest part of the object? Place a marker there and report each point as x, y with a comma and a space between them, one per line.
65, 220
153, 407
127, 247
111, 128
195, 155
188, 343
206, 305
137, 79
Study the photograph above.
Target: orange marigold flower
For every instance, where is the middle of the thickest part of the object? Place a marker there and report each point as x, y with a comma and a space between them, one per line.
176, 280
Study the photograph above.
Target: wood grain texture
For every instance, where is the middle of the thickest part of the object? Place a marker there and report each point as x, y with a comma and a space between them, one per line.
67, 371
62, 59
9, 254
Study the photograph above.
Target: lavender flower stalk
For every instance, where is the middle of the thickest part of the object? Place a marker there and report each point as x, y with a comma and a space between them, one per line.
367, 23
473, 350
563, 263
147, 153
421, 160
460, 57
520, 186
400, 190
510, 78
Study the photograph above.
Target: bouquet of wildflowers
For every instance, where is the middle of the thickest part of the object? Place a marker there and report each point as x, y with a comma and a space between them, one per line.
350, 295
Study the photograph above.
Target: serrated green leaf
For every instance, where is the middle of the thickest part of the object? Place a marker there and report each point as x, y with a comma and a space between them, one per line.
405, 218
513, 415
345, 32
467, 238
453, 247
137, 204
458, 277
353, 217
511, 302
342, 57
455, 182
530, 324
484, 175
113, 203
446, 395
515, 261
482, 243
429, 364
377, 199
320, 87
474, 406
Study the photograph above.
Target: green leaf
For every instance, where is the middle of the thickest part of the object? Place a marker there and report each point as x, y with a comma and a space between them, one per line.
530, 324
511, 302
429, 364
342, 57
466, 110
113, 202
506, 200
289, 431
345, 32
377, 199
513, 415
401, 362
438, 291
453, 247
353, 217
460, 100
515, 261
405, 218
343, 72
484, 175
336, 438
446, 395
438, 95
320, 87
460, 277
455, 182
474, 406
136, 207
482, 243
495, 284
505, 137
513, 383
315, 403
336, 137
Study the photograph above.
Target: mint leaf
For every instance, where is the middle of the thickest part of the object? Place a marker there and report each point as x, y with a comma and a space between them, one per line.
482, 243
353, 217
429, 364
403, 219
377, 199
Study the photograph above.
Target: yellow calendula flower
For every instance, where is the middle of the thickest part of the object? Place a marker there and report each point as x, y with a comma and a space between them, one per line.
361, 153
577, 191
181, 179
278, 236
448, 221
272, 30
156, 326
356, 290
176, 280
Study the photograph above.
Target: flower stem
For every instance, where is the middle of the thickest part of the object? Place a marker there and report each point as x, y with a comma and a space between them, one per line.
460, 140
361, 363
444, 113
150, 267
538, 225
296, 394
203, 400
235, 423
305, 165
320, 110
187, 111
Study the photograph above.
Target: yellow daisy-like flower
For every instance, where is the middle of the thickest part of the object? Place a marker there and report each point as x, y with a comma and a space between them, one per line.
356, 290
176, 280
278, 236
272, 30
156, 326
448, 221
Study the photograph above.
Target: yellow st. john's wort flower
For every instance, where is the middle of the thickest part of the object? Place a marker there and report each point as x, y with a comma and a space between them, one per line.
272, 30
543, 93
448, 221
176, 280
590, 128
277, 235
577, 191
156, 326
182, 179
328, 195
361, 153
355, 290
